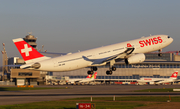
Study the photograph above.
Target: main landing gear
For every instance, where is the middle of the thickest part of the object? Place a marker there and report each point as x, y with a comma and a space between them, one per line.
160, 54
109, 72
92, 70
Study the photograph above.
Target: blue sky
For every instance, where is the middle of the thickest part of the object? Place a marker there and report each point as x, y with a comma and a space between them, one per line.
72, 25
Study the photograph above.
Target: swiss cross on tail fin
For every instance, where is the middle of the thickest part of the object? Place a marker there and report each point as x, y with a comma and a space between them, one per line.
174, 75
26, 51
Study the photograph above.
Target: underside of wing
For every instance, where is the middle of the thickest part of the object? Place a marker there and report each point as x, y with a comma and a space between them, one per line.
103, 61
122, 55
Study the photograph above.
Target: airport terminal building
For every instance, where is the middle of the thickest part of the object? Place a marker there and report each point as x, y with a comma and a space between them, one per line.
153, 66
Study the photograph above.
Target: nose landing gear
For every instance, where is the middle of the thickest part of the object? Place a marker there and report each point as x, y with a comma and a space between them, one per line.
160, 54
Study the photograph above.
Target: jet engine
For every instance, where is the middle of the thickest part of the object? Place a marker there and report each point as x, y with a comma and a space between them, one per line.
36, 65
137, 58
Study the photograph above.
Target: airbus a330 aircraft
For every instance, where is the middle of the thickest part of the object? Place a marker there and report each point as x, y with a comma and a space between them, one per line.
159, 80
130, 51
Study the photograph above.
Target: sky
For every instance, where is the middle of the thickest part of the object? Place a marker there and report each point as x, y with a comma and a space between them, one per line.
64, 26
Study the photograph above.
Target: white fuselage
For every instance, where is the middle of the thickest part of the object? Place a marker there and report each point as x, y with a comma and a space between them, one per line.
76, 61
156, 80
80, 80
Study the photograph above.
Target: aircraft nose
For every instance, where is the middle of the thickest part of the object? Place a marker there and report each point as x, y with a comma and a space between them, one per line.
170, 39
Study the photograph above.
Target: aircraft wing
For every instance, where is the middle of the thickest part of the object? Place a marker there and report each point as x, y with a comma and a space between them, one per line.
127, 52
73, 80
86, 80
103, 61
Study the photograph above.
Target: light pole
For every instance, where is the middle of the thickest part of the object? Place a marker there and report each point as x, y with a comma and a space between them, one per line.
5, 61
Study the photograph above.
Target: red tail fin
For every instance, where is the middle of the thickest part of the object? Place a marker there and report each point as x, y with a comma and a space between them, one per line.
95, 74
89, 76
174, 75
26, 51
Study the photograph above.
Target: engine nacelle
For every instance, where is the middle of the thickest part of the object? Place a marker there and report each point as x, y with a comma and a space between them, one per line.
137, 58
36, 65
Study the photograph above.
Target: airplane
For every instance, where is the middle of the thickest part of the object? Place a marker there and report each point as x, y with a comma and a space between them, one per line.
159, 80
89, 78
130, 51
72, 81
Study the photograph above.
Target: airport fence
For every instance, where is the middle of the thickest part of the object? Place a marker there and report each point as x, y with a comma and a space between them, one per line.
6, 83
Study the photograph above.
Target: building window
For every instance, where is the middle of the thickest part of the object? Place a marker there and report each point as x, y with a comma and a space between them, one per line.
135, 76
113, 77
156, 76
127, 66
163, 66
25, 74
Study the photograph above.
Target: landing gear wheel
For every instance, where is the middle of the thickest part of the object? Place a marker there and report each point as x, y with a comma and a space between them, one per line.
109, 72
113, 68
160, 54
94, 68
89, 72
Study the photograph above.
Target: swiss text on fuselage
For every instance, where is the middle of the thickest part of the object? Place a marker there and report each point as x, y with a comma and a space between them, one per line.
151, 41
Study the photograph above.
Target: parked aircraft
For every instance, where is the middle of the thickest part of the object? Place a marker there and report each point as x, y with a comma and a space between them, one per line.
89, 78
130, 51
159, 80
74, 80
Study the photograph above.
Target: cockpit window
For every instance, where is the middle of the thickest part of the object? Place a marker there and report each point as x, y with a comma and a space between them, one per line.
169, 37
